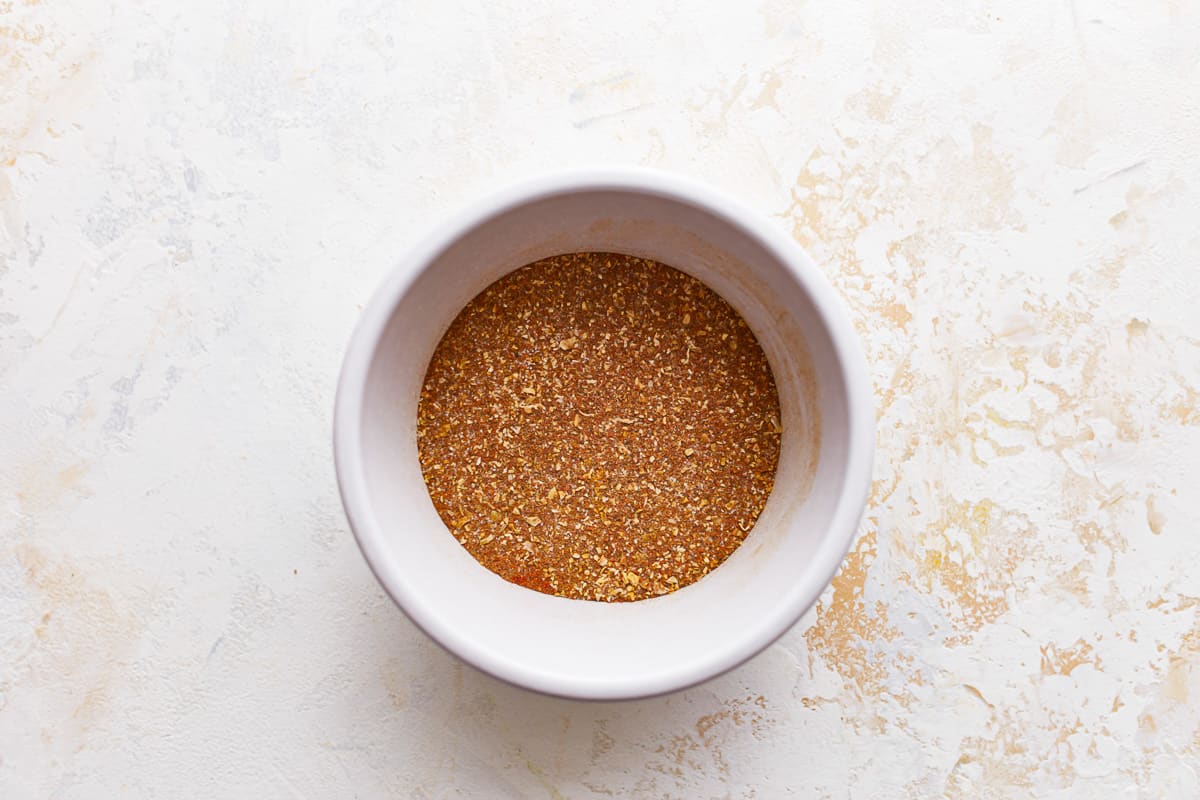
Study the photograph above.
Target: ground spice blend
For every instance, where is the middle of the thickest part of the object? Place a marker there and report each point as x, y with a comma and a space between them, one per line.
599, 426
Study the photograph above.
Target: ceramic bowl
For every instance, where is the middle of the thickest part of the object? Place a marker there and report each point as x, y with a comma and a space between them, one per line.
579, 648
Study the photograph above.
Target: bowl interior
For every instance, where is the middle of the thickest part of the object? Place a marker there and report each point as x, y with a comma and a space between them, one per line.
582, 648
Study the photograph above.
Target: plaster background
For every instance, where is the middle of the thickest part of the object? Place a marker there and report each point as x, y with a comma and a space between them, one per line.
196, 198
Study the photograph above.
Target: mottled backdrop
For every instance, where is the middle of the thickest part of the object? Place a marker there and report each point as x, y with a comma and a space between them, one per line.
197, 197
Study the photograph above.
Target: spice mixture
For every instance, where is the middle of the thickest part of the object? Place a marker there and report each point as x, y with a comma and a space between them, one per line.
599, 426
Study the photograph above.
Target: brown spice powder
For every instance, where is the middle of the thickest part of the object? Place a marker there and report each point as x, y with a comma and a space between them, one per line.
599, 426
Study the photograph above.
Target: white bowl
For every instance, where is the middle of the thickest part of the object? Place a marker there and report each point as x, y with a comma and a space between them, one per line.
579, 648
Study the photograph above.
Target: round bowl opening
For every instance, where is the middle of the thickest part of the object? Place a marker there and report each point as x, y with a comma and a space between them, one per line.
591, 649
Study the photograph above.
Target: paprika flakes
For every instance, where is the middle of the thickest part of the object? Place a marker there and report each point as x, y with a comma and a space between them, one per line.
599, 426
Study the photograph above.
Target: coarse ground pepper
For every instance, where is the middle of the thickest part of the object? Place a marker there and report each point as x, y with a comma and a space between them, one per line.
599, 426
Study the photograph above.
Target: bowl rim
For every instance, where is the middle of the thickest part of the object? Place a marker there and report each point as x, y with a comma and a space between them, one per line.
849, 356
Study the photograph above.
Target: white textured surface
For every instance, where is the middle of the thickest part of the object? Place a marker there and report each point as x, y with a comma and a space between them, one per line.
195, 199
